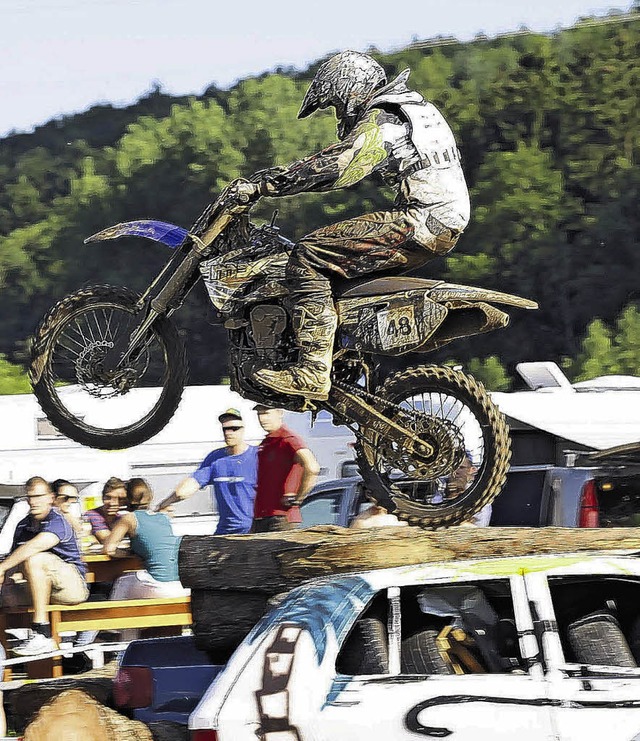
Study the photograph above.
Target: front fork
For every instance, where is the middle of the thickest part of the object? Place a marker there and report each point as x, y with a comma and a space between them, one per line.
180, 283
139, 340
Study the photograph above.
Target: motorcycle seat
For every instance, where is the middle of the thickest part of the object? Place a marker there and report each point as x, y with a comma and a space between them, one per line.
379, 286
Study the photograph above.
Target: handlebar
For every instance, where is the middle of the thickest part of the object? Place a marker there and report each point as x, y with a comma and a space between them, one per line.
205, 229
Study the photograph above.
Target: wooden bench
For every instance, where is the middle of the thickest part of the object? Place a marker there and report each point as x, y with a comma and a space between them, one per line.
107, 615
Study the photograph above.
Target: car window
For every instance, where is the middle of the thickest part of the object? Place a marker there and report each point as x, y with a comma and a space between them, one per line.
363, 503
322, 508
598, 619
446, 629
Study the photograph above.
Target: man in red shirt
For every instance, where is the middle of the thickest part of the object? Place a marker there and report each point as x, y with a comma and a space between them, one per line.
287, 470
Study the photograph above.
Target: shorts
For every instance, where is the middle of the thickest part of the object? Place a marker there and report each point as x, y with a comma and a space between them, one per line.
141, 585
68, 585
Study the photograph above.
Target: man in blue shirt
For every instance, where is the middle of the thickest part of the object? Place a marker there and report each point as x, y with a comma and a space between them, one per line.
46, 549
232, 471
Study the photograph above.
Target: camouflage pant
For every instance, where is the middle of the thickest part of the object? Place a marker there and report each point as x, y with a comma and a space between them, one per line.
380, 242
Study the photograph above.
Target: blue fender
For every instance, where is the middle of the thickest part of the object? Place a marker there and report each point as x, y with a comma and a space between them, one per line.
159, 231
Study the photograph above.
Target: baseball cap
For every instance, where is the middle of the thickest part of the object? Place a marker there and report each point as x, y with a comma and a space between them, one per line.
262, 408
230, 414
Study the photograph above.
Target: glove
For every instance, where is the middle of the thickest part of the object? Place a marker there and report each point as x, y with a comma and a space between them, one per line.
242, 193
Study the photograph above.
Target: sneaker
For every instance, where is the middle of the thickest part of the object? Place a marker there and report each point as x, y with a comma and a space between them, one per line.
37, 644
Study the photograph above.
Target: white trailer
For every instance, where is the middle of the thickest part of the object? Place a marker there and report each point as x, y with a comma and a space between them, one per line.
30, 445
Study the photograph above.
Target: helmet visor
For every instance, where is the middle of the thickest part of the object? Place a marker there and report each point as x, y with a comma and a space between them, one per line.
310, 104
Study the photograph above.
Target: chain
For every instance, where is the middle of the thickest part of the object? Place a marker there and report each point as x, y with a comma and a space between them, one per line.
448, 451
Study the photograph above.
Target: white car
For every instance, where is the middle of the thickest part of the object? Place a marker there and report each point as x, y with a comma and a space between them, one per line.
543, 647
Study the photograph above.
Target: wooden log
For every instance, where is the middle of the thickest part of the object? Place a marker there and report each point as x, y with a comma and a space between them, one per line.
76, 715
276, 562
222, 619
25, 701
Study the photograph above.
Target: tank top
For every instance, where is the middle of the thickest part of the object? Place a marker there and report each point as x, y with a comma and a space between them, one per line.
156, 545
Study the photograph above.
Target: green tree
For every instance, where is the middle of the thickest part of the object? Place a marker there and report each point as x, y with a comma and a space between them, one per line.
611, 350
490, 372
25, 200
548, 126
597, 357
517, 242
13, 379
627, 342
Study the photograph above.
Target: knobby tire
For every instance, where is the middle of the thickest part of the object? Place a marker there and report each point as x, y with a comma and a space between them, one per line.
491, 478
41, 353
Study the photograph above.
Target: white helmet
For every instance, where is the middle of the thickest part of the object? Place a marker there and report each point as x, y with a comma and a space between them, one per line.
346, 82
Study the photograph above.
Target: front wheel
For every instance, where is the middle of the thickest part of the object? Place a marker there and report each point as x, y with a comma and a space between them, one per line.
82, 382
454, 414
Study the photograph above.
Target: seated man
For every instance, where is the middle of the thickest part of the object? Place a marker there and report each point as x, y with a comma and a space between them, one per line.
46, 548
102, 519
66, 496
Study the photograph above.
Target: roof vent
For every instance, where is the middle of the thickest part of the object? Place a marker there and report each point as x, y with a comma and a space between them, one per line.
543, 375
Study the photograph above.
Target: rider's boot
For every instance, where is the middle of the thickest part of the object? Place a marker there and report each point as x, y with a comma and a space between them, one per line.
314, 326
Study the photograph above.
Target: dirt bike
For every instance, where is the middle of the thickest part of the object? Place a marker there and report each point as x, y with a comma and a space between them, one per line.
431, 446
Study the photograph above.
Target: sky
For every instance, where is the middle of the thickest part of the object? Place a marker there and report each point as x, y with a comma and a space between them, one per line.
59, 57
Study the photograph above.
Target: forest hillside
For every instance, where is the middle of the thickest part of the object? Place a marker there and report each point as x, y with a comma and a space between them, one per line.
549, 130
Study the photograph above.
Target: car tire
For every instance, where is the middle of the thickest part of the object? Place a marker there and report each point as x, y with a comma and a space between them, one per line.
597, 639
365, 650
420, 655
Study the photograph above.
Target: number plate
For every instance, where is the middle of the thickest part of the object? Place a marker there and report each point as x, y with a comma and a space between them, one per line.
397, 327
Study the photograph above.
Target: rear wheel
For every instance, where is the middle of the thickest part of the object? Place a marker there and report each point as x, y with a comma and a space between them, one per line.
454, 414
83, 385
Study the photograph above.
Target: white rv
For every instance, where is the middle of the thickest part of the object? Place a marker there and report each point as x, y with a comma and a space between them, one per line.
30, 445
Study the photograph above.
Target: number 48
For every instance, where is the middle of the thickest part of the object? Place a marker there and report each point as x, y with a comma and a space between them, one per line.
403, 326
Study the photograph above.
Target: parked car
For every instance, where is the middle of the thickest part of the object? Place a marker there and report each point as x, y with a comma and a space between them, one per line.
163, 679
545, 647
334, 502
601, 489
339, 501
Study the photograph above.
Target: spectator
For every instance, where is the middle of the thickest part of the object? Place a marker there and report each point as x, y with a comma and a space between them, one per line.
152, 539
287, 470
376, 516
459, 481
482, 518
46, 547
66, 495
103, 519
232, 471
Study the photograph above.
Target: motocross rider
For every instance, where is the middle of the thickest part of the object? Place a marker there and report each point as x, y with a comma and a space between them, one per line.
382, 128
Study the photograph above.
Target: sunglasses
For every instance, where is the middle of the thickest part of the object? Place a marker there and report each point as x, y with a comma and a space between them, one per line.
232, 429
